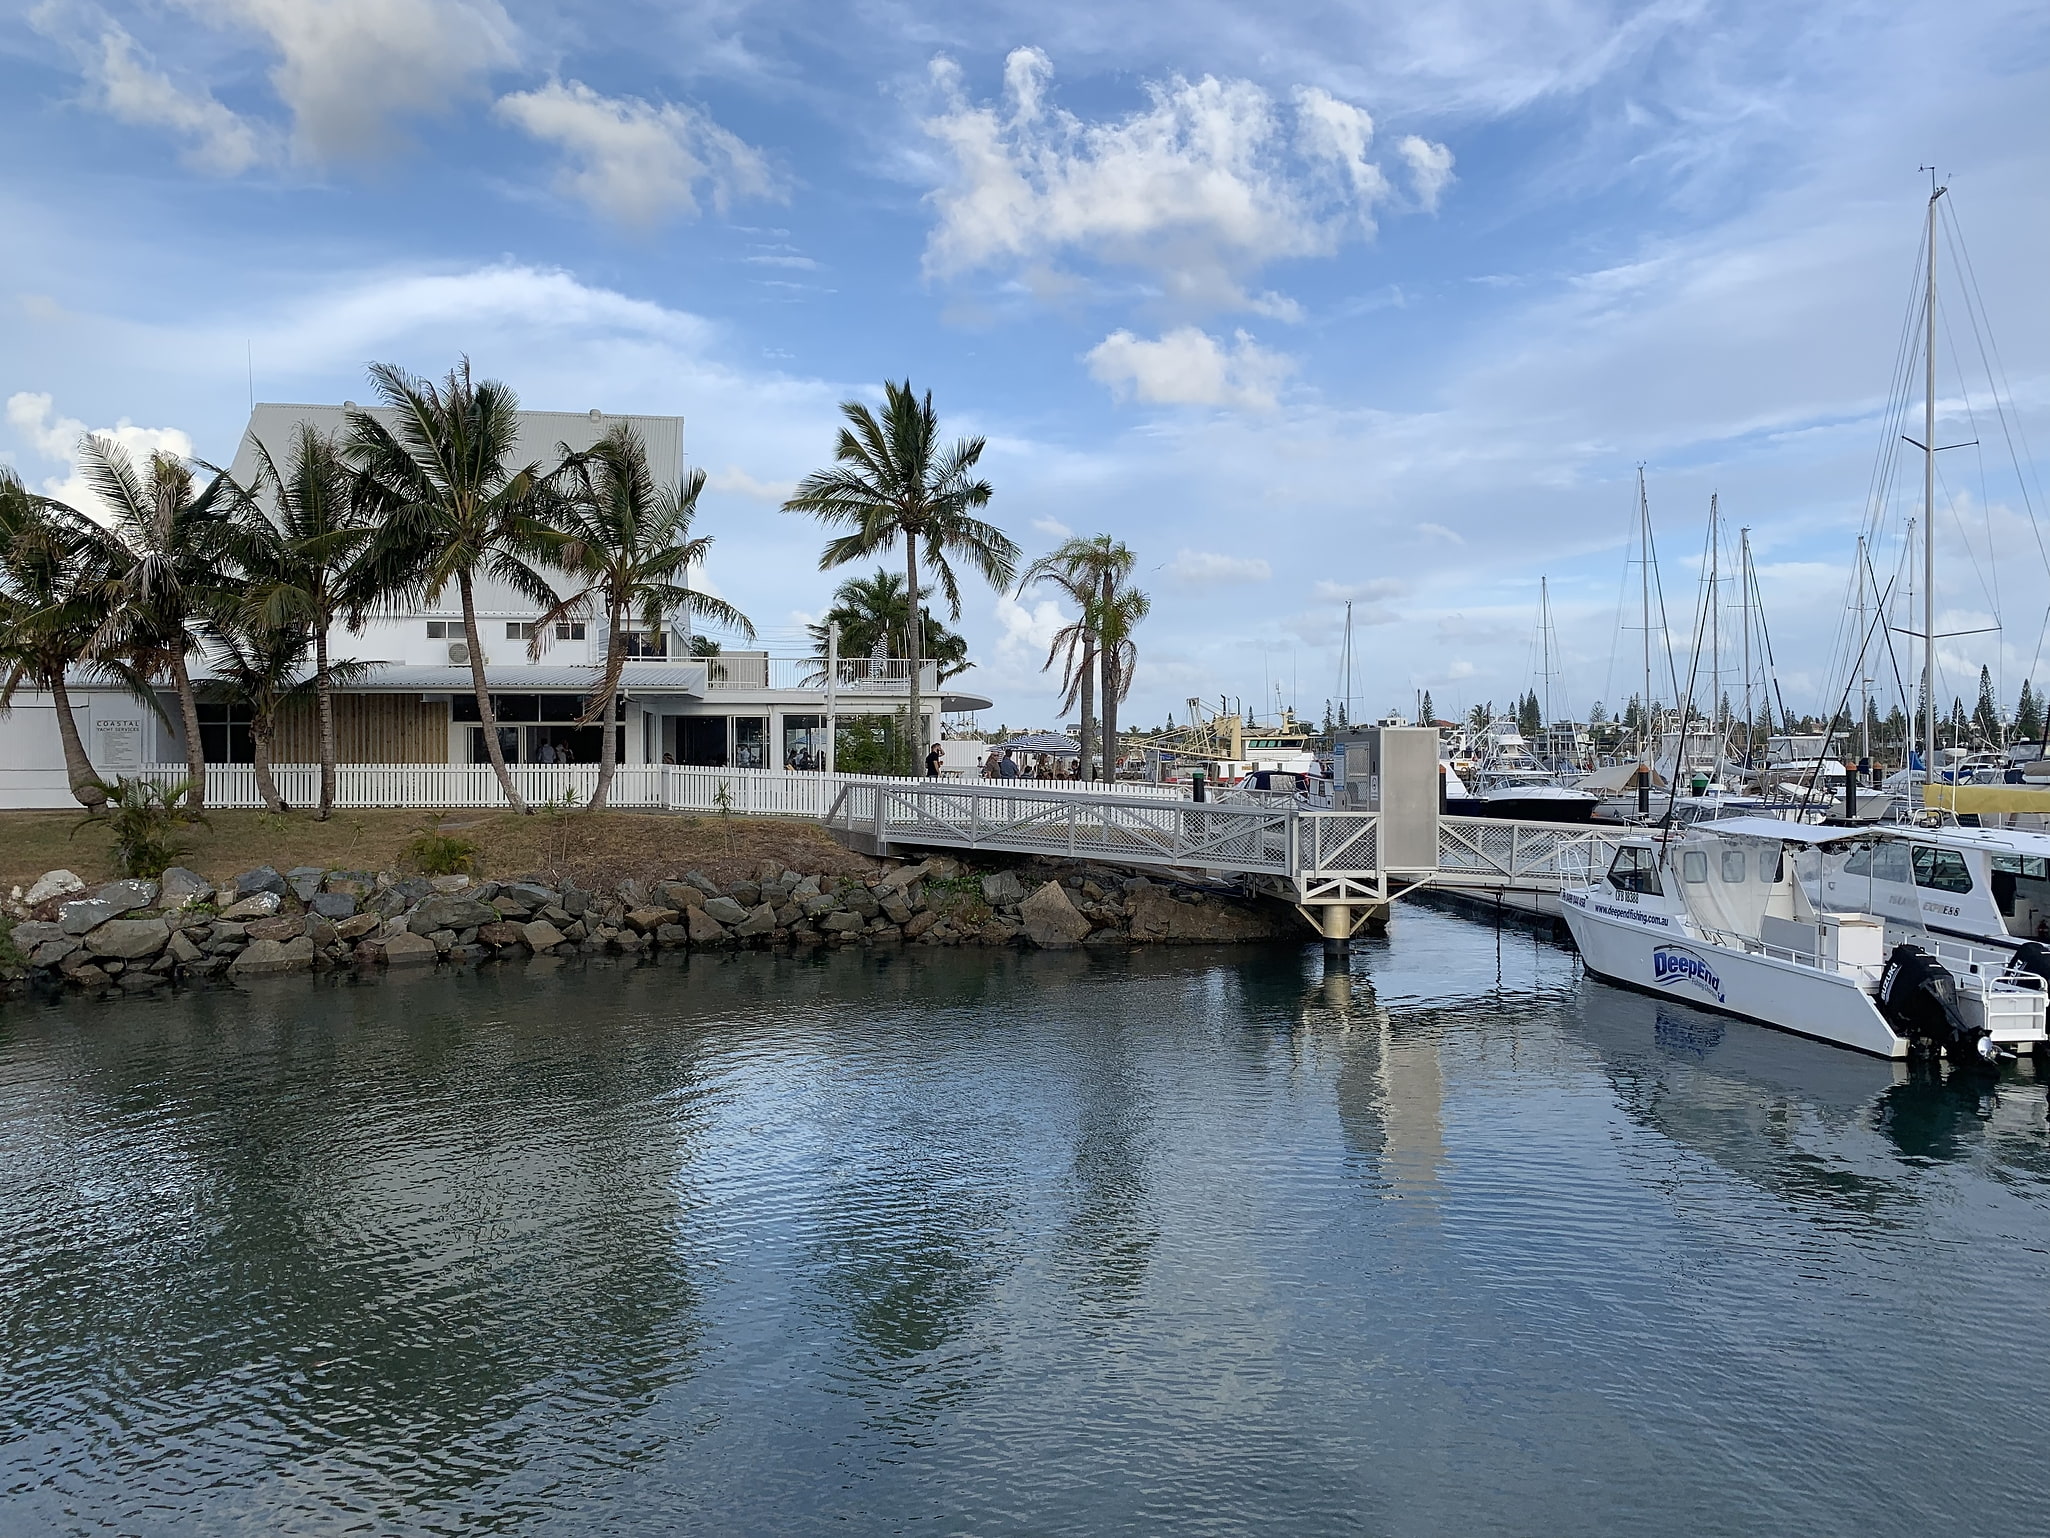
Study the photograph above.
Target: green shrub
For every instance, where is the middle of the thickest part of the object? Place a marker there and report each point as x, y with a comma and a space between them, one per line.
435, 853
144, 818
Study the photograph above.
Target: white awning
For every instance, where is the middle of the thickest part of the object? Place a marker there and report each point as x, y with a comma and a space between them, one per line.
1780, 831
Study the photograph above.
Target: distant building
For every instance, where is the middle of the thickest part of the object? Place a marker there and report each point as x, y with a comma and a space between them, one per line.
415, 703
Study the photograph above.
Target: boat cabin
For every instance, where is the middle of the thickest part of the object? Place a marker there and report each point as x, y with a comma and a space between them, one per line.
1975, 883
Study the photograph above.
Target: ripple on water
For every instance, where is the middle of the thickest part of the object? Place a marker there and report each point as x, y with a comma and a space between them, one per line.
1448, 1241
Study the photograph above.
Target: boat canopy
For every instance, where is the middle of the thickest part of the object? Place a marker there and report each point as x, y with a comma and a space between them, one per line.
1781, 831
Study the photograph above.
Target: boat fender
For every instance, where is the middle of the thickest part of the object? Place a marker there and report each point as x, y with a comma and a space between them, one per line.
1918, 996
2034, 957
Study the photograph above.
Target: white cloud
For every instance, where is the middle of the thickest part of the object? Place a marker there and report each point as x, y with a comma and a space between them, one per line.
1438, 531
1188, 367
58, 438
738, 481
1360, 592
639, 162
1053, 528
347, 68
1201, 187
1430, 168
127, 86
1200, 568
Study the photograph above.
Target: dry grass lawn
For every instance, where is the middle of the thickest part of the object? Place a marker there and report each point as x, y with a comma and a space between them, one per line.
589, 849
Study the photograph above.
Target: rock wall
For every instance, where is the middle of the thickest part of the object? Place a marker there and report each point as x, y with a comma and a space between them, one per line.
136, 936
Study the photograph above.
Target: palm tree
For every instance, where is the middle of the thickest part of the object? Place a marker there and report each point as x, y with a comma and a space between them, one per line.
259, 666
170, 537
303, 560
628, 543
870, 610
56, 569
895, 481
450, 505
1118, 612
1078, 569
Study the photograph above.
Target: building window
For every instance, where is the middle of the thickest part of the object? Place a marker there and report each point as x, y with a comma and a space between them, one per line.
750, 742
804, 742
570, 630
519, 630
224, 733
644, 643
444, 630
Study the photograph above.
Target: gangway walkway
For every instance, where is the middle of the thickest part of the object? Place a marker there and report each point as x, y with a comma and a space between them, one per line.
1327, 863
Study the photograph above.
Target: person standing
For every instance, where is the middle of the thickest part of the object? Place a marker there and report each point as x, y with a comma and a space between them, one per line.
933, 760
1007, 766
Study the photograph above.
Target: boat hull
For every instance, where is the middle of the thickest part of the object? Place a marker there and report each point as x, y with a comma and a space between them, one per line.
1512, 808
1649, 952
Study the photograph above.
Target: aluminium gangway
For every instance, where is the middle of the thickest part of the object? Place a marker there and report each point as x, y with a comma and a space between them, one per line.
1327, 863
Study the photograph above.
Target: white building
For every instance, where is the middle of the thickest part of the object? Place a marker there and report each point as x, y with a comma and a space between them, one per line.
416, 705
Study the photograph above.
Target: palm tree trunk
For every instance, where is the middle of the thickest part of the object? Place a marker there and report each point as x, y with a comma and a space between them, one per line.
1088, 733
85, 781
195, 750
484, 711
324, 704
1110, 719
1107, 659
916, 628
259, 753
608, 748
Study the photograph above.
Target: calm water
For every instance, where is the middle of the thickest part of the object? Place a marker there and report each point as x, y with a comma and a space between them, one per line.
991, 1244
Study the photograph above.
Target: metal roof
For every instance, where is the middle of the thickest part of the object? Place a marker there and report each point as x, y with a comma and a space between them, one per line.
1043, 742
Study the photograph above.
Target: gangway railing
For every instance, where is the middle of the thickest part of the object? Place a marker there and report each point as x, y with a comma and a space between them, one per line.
1308, 856
1491, 853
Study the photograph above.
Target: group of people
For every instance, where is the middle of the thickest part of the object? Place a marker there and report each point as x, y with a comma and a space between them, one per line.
1003, 765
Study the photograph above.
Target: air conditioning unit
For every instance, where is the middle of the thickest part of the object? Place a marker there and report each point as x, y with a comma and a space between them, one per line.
459, 652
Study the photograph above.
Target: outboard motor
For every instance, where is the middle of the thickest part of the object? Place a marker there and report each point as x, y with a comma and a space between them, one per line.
2034, 957
1918, 996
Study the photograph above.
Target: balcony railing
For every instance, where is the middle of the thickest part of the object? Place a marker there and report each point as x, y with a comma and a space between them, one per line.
856, 675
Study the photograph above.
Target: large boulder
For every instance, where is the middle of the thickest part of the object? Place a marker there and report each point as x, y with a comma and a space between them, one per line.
332, 905
31, 933
88, 913
678, 895
503, 933
842, 923
130, 895
725, 910
760, 922
52, 885
540, 935
264, 956
531, 893
450, 912
702, 882
184, 888
257, 905
446, 885
357, 927
286, 926
129, 939
182, 950
264, 878
1051, 921
405, 950
1158, 918
1002, 888
305, 880
704, 929
647, 920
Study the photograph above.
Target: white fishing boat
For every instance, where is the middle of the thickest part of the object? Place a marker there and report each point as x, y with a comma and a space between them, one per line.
1988, 886
1716, 917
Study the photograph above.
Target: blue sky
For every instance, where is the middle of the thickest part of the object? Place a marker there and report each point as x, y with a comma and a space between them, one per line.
1365, 301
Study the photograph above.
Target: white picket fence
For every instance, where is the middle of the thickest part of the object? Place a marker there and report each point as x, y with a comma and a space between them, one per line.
646, 787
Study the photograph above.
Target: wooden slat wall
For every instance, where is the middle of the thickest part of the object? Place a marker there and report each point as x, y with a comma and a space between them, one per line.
369, 729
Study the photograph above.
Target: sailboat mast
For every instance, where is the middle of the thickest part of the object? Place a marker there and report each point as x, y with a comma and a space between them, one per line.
1864, 675
1644, 579
1929, 501
1744, 577
1715, 632
1545, 641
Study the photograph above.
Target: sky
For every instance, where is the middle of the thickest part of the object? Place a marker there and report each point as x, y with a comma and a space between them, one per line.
1372, 303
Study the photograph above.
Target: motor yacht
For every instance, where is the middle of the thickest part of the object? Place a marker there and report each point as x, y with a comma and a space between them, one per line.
1716, 916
